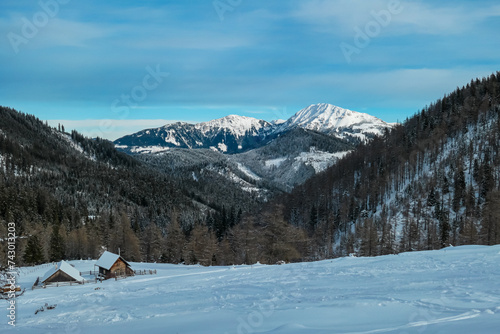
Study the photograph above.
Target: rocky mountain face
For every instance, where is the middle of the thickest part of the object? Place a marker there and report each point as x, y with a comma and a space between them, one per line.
237, 134
425, 184
338, 122
430, 182
230, 134
268, 156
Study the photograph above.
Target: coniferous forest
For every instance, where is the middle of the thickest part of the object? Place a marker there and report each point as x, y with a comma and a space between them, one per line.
430, 182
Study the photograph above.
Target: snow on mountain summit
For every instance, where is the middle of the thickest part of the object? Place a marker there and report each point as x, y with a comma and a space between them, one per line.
323, 116
236, 134
238, 125
333, 120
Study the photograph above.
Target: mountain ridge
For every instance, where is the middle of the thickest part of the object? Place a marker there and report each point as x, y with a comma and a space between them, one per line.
430, 182
237, 134
336, 121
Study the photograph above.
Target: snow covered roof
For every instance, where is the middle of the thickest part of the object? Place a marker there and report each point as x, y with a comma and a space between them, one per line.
66, 268
107, 260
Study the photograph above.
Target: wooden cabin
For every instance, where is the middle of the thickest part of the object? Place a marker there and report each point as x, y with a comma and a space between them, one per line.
62, 272
113, 265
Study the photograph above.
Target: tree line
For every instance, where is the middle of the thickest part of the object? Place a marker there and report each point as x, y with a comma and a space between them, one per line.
427, 183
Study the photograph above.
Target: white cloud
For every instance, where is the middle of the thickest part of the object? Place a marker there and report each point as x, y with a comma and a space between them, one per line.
111, 129
401, 87
54, 31
342, 16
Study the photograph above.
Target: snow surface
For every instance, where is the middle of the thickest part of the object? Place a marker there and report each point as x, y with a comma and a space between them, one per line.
327, 118
319, 160
146, 149
170, 138
275, 162
248, 172
230, 175
323, 115
454, 290
222, 147
238, 125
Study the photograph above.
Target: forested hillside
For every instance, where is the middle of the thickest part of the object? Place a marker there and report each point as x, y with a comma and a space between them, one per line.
293, 157
71, 197
429, 182
425, 184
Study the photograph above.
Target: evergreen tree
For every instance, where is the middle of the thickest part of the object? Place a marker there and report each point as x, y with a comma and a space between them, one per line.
174, 242
313, 219
56, 250
33, 253
487, 181
490, 224
431, 199
459, 187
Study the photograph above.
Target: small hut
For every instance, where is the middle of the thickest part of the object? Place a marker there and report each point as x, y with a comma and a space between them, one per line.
62, 272
113, 265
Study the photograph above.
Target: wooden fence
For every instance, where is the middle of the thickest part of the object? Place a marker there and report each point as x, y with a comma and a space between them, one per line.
37, 284
90, 272
145, 272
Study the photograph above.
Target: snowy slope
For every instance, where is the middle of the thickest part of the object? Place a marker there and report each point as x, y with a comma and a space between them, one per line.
230, 134
236, 134
454, 290
239, 126
333, 120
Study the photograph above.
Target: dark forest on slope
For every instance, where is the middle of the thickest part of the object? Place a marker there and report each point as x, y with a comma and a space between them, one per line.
428, 183
70, 196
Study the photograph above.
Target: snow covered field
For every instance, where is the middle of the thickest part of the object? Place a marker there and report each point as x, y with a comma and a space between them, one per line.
454, 290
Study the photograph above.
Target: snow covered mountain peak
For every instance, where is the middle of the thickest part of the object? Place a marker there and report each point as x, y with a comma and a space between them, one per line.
327, 116
236, 134
333, 120
238, 125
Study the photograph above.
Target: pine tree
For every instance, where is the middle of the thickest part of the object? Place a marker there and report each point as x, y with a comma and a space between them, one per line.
57, 248
33, 253
444, 228
431, 198
152, 243
124, 239
487, 181
313, 219
459, 187
369, 238
490, 224
174, 242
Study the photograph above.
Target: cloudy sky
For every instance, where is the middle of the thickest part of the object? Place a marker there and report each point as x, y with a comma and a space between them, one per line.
113, 67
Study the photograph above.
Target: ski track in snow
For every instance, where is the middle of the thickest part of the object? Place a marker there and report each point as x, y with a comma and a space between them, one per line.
454, 290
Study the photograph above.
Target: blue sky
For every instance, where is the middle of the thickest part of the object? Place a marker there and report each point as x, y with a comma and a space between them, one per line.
113, 67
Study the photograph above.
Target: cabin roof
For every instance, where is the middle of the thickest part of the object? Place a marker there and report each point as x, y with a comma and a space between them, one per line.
107, 260
65, 267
